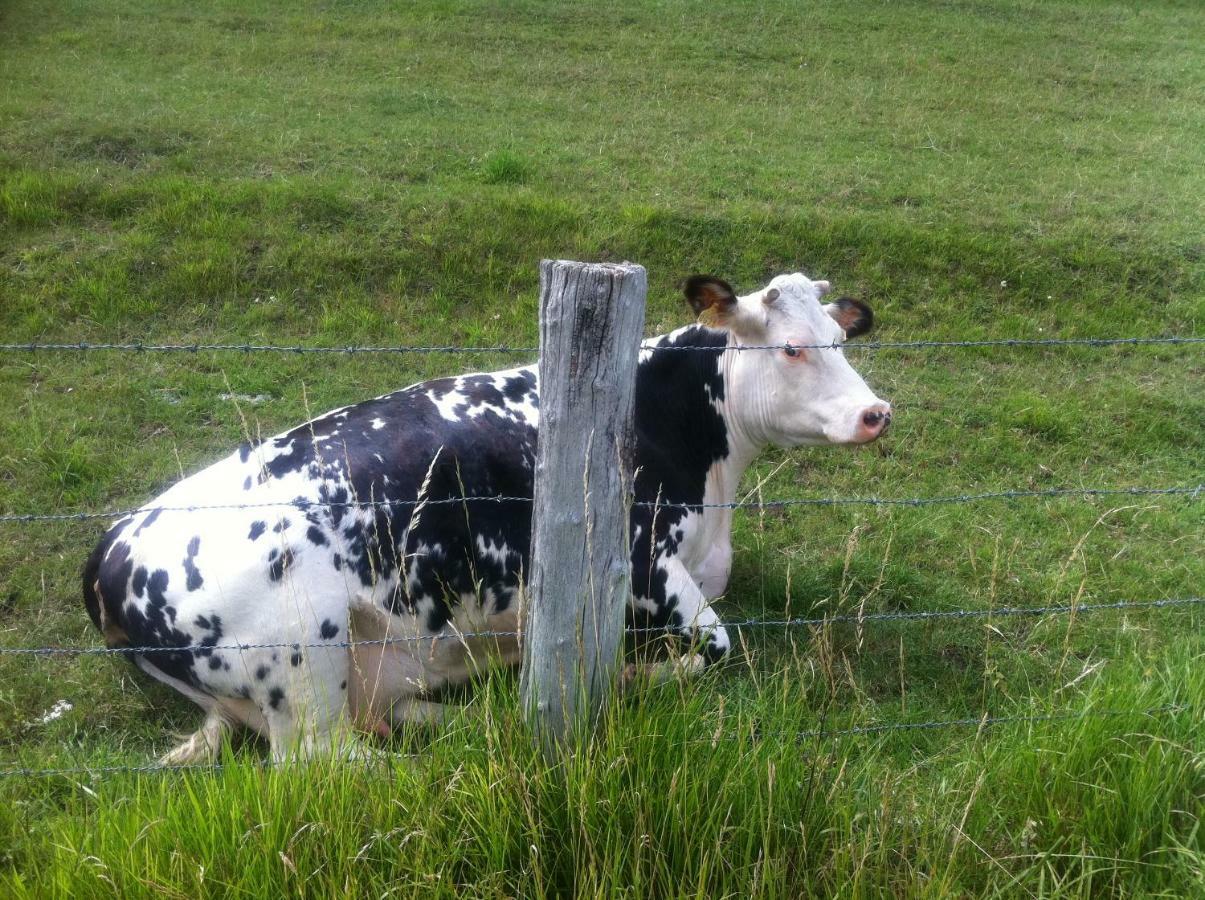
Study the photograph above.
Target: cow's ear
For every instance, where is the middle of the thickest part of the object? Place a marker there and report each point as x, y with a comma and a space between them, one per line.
854, 316
711, 298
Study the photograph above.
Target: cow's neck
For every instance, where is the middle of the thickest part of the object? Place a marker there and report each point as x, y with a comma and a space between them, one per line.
691, 407
743, 413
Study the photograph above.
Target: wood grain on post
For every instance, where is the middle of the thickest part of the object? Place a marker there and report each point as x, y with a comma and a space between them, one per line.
591, 321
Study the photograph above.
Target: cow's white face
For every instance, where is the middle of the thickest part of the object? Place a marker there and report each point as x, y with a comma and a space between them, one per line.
793, 397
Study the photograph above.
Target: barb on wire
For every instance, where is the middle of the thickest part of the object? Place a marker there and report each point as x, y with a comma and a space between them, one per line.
351, 350
1194, 492
982, 721
798, 622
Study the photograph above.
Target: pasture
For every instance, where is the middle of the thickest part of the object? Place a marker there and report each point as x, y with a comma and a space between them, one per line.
368, 173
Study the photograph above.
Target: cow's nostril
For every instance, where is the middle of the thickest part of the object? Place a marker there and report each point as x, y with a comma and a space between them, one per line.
876, 419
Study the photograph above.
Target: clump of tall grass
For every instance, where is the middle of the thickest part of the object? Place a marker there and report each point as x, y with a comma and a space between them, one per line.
674, 794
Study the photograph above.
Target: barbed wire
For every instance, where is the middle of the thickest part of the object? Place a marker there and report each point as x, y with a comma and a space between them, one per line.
1193, 492
351, 350
983, 721
795, 622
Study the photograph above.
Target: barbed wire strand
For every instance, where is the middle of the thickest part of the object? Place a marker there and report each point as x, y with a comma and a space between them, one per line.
1193, 492
351, 350
980, 721
797, 622
375, 760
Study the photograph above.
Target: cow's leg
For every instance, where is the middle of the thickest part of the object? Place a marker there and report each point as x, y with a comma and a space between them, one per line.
681, 605
691, 615
423, 712
201, 746
712, 574
307, 711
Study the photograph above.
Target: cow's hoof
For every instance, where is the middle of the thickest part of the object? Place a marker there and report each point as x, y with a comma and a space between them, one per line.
629, 675
680, 668
689, 666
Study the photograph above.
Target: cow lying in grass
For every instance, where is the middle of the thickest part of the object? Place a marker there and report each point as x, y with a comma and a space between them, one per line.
313, 566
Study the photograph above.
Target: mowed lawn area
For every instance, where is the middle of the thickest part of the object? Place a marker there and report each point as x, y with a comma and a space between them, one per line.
347, 173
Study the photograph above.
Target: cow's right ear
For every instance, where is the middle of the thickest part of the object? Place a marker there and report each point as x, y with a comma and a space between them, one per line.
712, 299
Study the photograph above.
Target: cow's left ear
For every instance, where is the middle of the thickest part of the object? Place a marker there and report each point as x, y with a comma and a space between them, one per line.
854, 316
712, 299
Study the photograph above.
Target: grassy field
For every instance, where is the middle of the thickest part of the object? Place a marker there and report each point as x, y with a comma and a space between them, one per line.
359, 172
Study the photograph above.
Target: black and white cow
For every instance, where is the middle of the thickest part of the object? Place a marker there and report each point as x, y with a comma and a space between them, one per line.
318, 570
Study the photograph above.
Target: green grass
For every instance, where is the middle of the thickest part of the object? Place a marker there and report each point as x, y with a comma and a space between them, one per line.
373, 173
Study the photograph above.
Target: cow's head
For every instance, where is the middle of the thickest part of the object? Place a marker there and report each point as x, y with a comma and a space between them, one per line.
792, 396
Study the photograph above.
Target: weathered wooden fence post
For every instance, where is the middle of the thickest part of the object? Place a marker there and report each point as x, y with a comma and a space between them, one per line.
591, 321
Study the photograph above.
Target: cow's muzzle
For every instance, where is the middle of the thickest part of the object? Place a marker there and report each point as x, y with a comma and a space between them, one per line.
874, 422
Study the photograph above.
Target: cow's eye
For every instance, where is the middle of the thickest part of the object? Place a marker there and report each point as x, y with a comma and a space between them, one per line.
790, 351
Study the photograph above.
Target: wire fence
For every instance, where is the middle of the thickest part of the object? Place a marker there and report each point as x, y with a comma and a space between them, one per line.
1001, 612
982, 721
753, 735
1192, 492
352, 350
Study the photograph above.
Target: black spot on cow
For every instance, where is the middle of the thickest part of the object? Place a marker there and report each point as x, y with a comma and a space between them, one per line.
518, 386
156, 586
215, 662
295, 659
338, 561
342, 685
275, 697
209, 641
480, 390
247, 483
203, 623
439, 616
245, 448
261, 672
364, 549
279, 563
148, 521
282, 525
328, 629
300, 454
315, 535
336, 500
257, 528
139, 582
712, 651
440, 387
193, 578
